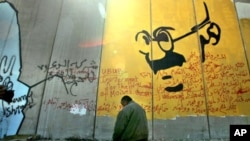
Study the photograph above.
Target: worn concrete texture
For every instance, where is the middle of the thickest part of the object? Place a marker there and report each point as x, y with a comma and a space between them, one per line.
60, 32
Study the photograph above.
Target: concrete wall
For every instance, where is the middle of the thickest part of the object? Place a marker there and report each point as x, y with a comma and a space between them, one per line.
70, 61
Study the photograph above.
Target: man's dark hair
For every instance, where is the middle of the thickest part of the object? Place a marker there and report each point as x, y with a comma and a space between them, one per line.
126, 98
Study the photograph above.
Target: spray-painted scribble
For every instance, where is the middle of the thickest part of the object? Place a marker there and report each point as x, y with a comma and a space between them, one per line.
72, 73
74, 107
14, 96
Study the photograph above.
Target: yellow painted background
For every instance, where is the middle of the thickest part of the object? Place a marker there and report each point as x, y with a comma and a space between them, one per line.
245, 26
123, 70
219, 87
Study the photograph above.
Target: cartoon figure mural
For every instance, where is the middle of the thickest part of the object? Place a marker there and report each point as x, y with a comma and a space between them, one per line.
192, 71
14, 92
11, 115
17, 97
171, 58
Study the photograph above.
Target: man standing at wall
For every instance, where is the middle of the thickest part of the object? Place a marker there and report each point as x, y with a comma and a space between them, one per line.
131, 123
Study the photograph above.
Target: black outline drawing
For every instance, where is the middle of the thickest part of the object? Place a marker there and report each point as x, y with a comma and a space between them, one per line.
171, 58
7, 83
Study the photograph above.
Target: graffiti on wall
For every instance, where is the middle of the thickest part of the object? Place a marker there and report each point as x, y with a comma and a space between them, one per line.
185, 66
15, 95
72, 73
182, 70
10, 65
171, 58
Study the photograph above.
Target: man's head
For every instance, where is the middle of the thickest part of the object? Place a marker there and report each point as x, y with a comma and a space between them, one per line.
125, 100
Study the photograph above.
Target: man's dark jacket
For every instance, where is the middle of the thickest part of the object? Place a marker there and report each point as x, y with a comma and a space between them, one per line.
131, 123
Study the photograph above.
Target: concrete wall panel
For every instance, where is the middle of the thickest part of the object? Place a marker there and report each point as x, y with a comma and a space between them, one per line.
38, 22
186, 63
71, 98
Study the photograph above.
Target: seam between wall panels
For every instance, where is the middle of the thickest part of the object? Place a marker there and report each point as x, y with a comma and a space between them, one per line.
202, 73
152, 78
98, 80
242, 37
36, 130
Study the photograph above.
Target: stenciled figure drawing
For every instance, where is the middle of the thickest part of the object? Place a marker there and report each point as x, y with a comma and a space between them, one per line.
13, 92
162, 35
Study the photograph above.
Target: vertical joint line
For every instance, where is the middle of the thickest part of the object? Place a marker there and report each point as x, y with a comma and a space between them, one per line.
203, 77
242, 38
152, 77
98, 83
39, 113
